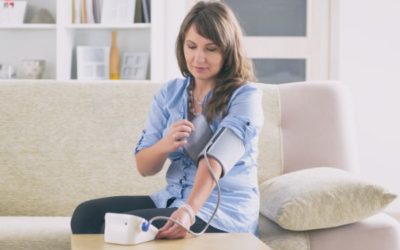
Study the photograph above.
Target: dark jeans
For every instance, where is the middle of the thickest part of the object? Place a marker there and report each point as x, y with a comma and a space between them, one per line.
88, 217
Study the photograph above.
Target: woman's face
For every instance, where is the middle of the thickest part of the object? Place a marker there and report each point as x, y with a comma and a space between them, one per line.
203, 56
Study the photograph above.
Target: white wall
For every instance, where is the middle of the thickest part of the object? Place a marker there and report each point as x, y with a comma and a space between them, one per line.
368, 57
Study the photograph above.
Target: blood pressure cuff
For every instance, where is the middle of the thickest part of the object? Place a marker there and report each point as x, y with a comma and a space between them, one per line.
225, 147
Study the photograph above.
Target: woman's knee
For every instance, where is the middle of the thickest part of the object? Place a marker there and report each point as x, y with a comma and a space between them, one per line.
87, 218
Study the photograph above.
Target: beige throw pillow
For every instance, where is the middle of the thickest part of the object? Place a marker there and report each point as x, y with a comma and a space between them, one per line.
320, 198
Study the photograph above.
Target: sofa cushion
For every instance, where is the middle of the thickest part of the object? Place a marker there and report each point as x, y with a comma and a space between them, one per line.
64, 143
379, 231
279, 238
320, 198
35, 233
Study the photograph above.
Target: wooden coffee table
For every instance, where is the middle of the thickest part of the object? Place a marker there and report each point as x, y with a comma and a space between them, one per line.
209, 241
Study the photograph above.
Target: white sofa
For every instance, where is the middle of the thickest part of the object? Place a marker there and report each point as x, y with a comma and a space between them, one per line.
65, 142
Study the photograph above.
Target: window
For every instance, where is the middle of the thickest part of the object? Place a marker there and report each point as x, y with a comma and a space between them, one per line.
288, 40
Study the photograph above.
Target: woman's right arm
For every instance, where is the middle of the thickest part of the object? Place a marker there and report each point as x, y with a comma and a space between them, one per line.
150, 160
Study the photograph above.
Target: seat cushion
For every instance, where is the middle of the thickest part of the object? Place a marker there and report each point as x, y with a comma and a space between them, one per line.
380, 231
376, 232
35, 233
279, 238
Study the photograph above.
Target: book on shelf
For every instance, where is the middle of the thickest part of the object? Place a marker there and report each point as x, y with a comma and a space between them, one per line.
83, 11
138, 12
146, 11
88, 12
97, 5
111, 11
142, 11
76, 11
73, 14
84, 15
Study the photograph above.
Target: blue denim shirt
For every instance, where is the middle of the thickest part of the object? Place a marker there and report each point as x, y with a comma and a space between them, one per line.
239, 207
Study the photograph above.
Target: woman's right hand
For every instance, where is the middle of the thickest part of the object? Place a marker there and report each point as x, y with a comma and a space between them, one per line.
177, 135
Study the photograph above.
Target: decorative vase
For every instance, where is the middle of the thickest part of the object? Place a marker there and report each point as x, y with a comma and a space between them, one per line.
33, 69
43, 16
114, 58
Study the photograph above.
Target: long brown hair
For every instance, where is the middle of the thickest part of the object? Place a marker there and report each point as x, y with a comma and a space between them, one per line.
216, 22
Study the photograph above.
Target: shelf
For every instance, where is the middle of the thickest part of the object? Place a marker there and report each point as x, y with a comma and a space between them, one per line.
14, 80
30, 26
75, 81
104, 26
106, 81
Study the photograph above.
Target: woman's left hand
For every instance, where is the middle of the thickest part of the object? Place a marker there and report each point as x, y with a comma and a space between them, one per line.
172, 230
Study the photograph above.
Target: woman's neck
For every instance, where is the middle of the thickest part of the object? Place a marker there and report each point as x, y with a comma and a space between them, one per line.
202, 87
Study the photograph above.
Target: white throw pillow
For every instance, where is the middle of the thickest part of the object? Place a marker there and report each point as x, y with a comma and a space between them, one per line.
320, 198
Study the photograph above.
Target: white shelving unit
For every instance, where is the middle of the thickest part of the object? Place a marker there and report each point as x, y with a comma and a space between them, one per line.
29, 27
56, 43
103, 26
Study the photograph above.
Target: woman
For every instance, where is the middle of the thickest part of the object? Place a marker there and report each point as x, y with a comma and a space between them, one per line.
211, 58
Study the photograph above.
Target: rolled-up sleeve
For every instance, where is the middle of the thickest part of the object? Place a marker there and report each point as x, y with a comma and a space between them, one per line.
155, 124
245, 115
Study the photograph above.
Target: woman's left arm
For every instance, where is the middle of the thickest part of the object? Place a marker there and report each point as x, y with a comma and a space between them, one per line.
202, 188
204, 183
